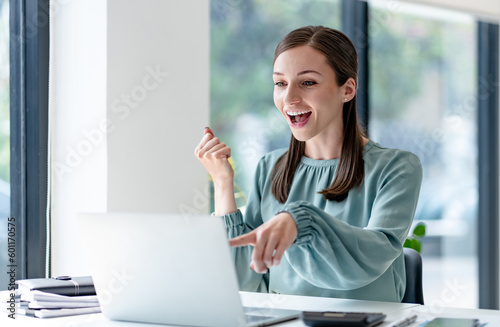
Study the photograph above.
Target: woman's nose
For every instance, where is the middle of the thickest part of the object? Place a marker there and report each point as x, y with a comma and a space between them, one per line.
292, 96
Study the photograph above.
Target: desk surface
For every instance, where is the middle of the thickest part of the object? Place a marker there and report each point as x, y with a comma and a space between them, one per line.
394, 311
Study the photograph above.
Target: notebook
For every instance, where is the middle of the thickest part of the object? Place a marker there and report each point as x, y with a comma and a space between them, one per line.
169, 269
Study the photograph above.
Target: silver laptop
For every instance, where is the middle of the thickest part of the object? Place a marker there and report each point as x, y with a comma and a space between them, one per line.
168, 269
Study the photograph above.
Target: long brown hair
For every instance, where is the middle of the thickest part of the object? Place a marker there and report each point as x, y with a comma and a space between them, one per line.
342, 57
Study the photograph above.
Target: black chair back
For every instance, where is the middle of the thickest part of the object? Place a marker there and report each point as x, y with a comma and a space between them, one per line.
413, 265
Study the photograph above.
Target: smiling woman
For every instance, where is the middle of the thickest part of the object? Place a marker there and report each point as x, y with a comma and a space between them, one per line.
327, 217
324, 78
300, 89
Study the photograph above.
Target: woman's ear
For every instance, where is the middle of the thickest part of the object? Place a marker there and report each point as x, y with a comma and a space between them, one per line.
349, 89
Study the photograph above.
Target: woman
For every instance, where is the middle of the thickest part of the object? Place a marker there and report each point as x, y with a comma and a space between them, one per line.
328, 216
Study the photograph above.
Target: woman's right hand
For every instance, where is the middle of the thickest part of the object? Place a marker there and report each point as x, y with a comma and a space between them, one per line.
214, 155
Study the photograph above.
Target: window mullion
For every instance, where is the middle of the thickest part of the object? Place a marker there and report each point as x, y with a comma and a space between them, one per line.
355, 26
28, 107
488, 119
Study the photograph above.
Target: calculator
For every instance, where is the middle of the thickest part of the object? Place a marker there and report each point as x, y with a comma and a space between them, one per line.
342, 319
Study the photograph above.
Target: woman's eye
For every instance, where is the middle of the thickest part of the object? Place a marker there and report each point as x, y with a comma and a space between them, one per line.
279, 84
308, 83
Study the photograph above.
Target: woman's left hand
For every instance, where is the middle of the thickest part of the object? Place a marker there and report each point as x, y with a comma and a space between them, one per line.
270, 241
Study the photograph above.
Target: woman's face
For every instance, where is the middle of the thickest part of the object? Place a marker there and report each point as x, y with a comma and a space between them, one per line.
307, 95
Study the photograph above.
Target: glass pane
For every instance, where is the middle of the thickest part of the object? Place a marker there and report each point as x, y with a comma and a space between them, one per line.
423, 99
4, 137
243, 36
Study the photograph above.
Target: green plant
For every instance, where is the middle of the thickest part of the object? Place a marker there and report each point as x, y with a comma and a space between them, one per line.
413, 241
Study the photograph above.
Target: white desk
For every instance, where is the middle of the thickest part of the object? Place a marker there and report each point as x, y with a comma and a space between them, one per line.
393, 311
488, 318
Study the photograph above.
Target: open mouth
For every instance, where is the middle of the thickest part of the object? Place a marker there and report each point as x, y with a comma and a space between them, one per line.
298, 116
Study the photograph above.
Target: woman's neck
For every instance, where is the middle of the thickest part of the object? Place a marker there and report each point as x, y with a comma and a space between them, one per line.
326, 149
325, 146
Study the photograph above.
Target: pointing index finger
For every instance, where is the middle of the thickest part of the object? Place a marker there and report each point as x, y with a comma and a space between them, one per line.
242, 240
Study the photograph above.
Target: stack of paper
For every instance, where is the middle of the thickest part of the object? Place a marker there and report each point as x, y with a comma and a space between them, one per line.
51, 297
64, 285
46, 305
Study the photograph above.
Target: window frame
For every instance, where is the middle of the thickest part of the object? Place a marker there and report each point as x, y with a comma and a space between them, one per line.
488, 169
29, 63
355, 26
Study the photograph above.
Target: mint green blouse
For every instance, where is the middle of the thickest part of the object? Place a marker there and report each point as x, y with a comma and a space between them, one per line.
350, 249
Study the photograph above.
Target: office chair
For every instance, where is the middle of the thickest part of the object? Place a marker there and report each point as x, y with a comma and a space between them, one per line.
413, 266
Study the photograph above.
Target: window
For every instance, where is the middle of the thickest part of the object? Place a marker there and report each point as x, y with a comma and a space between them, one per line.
423, 80
4, 137
243, 36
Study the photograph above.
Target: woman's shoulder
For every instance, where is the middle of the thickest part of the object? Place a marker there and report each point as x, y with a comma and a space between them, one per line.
374, 150
376, 155
265, 166
273, 156
268, 160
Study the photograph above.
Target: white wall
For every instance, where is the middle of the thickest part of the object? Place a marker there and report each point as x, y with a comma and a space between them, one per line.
130, 98
78, 106
158, 56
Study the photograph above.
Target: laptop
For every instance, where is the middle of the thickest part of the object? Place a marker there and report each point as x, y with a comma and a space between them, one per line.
168, 269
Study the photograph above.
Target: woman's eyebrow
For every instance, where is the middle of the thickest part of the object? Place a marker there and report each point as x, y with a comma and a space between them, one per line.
307, 72
299, 73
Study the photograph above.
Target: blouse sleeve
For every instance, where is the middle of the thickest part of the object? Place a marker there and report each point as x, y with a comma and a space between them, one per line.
332, 254
236, 225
